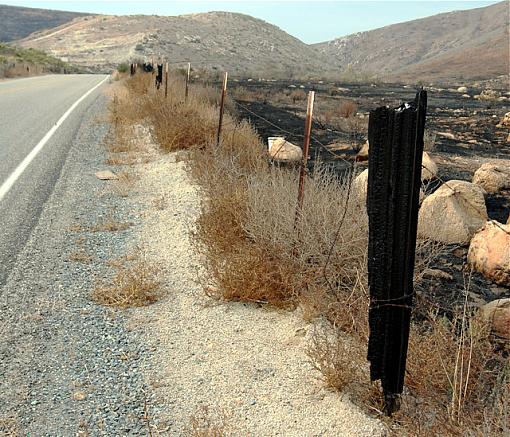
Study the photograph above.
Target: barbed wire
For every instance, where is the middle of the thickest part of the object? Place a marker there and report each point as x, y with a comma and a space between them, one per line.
298, 135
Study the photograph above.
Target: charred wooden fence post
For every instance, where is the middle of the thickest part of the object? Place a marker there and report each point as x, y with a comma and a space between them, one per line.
159, 76
187, 82
166, 80
304, 160
394, 179
222, 107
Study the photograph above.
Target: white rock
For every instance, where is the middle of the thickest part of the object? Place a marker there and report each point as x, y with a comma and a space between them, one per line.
505, 122
453, 213
492, 177
462, 89
282, 150
106, 175
497, 313
363, 153
489, 252
428, 167
448, 135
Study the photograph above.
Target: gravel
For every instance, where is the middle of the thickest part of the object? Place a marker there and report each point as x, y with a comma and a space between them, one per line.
67, 365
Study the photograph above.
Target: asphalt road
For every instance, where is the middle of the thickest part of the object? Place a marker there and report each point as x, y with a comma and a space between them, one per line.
29, 108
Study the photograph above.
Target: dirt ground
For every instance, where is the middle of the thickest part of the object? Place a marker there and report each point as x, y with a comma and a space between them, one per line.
466, 136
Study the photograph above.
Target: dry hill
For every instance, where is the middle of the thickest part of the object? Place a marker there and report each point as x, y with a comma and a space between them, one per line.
17, 22
458, 45
220, 40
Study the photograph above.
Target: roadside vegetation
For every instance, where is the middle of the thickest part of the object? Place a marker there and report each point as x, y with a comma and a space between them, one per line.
457, 381
15, 61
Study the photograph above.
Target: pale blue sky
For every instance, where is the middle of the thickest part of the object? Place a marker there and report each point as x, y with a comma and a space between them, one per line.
310, 21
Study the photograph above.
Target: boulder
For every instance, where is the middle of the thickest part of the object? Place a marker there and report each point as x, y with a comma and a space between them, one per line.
360, 185
453, 213
505, 122
462, 89
282, 150
363, 153
448, 135
429, 167
489, 252
492, 177
497, 314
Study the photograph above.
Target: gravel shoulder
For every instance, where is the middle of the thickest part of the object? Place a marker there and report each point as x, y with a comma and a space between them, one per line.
63, 370
245, 364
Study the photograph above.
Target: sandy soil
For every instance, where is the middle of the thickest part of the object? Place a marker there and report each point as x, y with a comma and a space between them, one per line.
246, 364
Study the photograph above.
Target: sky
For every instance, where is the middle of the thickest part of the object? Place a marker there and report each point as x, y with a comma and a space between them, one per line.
310, 21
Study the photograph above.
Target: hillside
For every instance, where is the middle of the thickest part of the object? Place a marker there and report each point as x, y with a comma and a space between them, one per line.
15, 61
218, 40
457, 45
17, 22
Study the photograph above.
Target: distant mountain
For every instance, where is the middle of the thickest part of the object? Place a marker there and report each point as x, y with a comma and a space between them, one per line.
17, 22
457, 45
218, 40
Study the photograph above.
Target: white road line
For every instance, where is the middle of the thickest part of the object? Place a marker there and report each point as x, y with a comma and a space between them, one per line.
11, 180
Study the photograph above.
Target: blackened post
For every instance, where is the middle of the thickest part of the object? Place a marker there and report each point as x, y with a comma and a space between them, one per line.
304, 160
159, 77
166, 80
394, 179
187, 81
222, 107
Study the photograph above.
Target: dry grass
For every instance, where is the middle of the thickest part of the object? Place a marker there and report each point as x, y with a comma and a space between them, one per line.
347, 109
208, 423
254, 252
80, 256
135, 283
9, 427
109, 224
335, 357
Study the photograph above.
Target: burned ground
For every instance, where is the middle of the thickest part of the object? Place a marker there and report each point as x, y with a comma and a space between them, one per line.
466, 135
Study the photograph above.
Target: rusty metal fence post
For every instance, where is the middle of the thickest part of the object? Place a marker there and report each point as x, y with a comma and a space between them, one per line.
304, 160
187, 82
394, 179
222, 107
166, 80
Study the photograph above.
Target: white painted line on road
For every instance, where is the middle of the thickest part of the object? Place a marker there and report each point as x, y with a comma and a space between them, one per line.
11, 180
